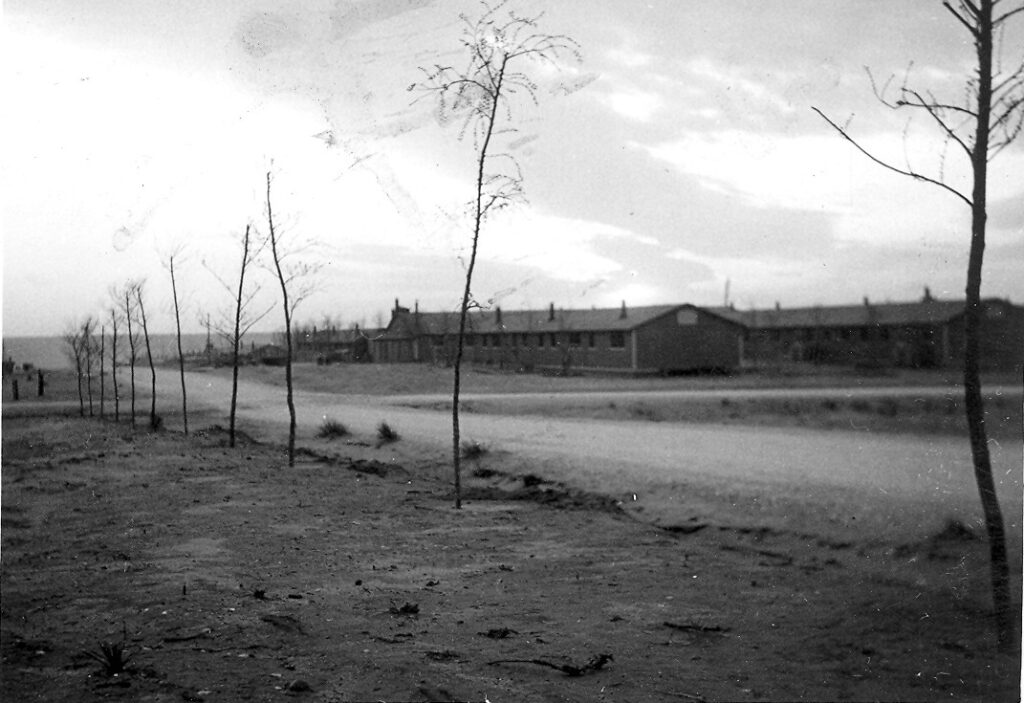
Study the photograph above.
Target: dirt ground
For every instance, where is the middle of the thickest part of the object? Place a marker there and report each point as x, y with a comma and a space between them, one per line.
227, 576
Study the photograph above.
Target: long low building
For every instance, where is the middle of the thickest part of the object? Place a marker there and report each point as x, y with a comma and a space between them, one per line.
657, 338
928, 333
683, 337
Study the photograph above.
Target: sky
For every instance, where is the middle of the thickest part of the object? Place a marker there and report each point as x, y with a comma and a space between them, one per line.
678, 161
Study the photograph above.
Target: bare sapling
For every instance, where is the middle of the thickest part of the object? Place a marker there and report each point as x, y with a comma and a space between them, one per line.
176, 254
128, 295
89, 347
983, 116
75, 352
497, 45
114, 321
154, 421
297, 283
236, 323
103, 383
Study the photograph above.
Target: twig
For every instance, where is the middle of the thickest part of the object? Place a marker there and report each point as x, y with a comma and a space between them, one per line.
693, 627
596, 663
690, 696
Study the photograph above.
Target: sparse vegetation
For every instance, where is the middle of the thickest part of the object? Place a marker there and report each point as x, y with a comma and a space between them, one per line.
482, 96
332, 429
471, 449
385, 434
112, 656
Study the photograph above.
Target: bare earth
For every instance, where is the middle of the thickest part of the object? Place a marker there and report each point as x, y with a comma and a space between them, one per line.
229, 576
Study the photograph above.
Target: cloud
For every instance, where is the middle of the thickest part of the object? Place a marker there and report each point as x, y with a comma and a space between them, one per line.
629, 58
560, 247
734, 78
632, 103
262, 34
760, 273
821, 173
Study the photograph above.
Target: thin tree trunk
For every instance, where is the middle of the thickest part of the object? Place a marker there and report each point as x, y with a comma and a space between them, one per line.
973, 401
131, 348
153, 422
103, 384
181, 357
87, 334
464, 307
287, 331
113, 364
78, 375
237, 338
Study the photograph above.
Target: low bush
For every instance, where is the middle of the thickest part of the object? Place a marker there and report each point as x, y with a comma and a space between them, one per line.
472, 449
331, 429
112, 656
386, 434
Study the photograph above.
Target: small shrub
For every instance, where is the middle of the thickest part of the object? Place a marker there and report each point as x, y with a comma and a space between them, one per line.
386, 434
112, 656
331, 429
473, 450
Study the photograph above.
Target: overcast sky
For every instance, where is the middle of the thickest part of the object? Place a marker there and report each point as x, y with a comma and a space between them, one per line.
681, 155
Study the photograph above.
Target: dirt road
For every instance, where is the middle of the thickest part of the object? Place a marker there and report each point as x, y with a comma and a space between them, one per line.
848, 484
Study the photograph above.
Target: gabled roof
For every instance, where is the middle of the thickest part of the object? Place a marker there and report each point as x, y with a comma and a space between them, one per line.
887, 314
406, 324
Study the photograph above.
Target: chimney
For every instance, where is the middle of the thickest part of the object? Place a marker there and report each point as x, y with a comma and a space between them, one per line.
417, 307
497, 315
396, 304
551, 313
622, 312
867, 303
778, 306
927, 295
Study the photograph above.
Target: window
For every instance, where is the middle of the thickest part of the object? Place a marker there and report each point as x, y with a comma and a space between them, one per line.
526, 339
496, 340
540, 341
618, 340
553, 339
575, 339
514, 340
686, 318
592, 340
487, 341
470, 340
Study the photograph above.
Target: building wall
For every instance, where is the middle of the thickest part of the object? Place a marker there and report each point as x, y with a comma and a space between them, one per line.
687, 340
1002, 338
566, 350
906, 346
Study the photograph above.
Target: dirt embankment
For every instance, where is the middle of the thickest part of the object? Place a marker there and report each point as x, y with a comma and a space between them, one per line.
227, 576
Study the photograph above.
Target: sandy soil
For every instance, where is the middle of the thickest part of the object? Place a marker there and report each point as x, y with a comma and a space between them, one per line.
228, 576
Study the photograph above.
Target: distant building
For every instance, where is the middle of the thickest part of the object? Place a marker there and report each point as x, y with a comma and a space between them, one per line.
923, 334
331, 345
659, 338
681, 337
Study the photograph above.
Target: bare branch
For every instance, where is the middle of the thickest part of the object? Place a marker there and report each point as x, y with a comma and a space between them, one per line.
1006, 15
934, 111
912, 174
970, 27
